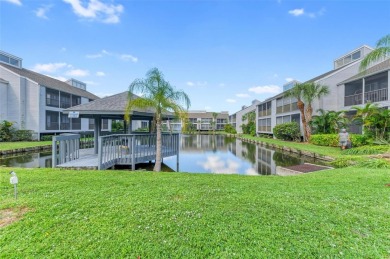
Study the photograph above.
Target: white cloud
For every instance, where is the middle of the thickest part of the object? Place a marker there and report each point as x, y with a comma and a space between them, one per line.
17, 2
231, 100
77, 73
297, 12
266, 89
100, 73
63, 49
198, 84
96, 10
216, 165
124, 57
48, 68
243, 95
289, 79
41, 12
128, 57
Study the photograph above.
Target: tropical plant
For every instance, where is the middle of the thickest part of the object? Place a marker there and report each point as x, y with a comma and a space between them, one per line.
382, 50
250, 126
7, 131
230, 129
363, 113
328, 121
297, 93
312, 91
287, 131
158, 94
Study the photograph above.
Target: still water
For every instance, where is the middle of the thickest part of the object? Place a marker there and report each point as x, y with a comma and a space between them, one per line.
216, 154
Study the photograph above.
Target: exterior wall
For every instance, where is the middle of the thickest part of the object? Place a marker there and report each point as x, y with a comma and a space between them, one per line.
239, 121
3, 101
12, 97
32, 106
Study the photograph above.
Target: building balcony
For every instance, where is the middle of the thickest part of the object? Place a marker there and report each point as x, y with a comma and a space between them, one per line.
372, 96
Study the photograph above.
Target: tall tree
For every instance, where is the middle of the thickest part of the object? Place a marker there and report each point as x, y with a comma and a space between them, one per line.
382, 50
214, 122
158, 94
297, 93
312, 91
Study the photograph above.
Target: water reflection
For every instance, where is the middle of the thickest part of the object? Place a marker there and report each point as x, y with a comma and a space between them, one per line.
217, 154
27, 160
225, 155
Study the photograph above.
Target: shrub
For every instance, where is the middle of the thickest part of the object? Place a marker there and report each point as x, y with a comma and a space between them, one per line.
249, 128
23, 135
332, 140
47, 138
287, 131
229, 129
374, 163
6, 131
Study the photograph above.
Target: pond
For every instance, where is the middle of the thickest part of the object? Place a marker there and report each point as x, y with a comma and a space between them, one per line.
217, 154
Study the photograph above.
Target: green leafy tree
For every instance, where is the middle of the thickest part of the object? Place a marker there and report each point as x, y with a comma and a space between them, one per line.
158, 94
250, 126
312, 91
328, 122
382, 50
297, 93
7, 131
363, 113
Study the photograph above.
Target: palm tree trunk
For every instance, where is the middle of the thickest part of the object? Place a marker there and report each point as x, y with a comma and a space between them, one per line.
301, 107
157, 165
308, 113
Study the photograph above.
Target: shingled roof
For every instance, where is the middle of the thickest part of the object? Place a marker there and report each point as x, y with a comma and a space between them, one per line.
50, 82
111, 105
381, 67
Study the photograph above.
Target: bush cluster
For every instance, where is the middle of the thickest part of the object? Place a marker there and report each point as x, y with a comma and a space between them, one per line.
287, 131
229, 129
332, 140
9, 133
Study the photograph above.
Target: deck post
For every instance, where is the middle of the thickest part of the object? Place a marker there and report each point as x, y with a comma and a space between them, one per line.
177, 138
132, 152
54, 153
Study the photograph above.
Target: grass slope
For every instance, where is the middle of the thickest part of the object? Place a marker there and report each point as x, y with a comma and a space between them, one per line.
337, 213
18, 145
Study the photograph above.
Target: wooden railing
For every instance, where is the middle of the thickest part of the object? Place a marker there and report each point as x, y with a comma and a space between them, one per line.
65, 148
130, 149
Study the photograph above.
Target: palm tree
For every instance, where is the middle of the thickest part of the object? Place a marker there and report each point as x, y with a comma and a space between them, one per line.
297, 93
312, 91
158, 94
363, 113
382, 50
214, 122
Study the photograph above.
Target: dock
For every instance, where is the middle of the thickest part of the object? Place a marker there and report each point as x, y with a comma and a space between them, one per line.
112, 150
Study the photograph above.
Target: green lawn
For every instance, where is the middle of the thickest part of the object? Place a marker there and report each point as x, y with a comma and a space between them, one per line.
27, 144
114, 214
321, 150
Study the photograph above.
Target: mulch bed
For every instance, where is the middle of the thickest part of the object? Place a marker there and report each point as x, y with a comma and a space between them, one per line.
306, 168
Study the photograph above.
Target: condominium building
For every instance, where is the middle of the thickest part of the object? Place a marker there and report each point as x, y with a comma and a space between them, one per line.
200, 121
347, 88
239, 118
35, 102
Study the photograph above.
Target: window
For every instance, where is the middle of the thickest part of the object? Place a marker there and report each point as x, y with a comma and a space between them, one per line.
65, 100
104, 124
91, 124
76, 124
76, 100
52, 120
52, 98
65, 122
356, 55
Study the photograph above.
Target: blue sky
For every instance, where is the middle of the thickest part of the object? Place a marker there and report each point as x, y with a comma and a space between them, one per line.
223, 54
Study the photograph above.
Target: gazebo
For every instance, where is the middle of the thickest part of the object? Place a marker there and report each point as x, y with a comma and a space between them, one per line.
109, 150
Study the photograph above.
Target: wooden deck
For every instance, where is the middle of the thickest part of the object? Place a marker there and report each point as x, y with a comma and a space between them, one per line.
113, 150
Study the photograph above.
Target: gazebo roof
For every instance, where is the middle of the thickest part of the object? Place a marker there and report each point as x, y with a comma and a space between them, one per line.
113, 106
